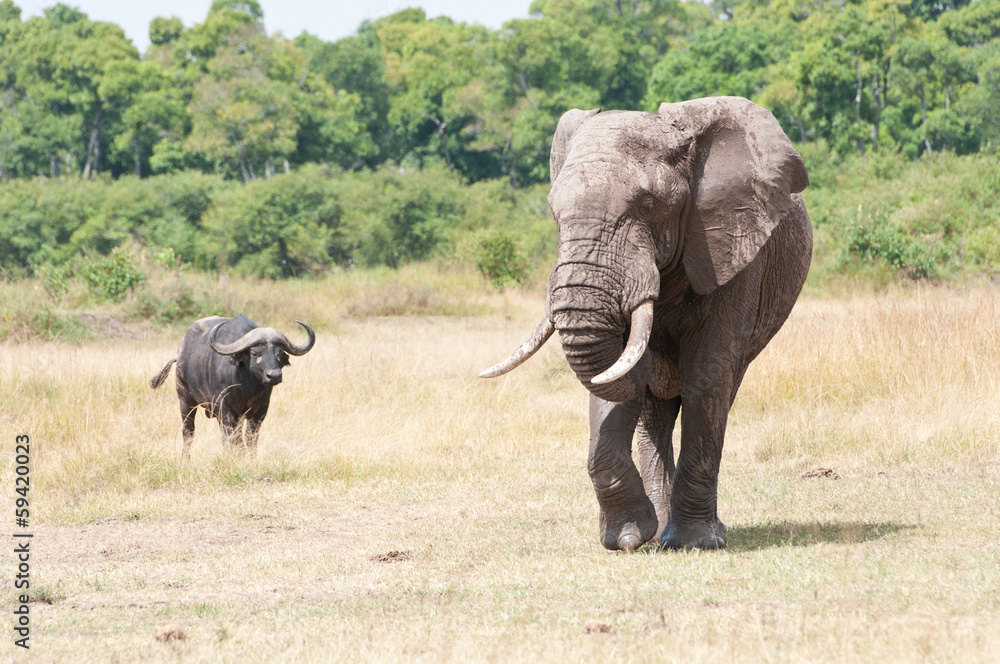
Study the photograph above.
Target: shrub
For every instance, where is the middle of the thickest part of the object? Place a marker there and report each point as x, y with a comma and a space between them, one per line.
396, 216
877, 238
39, 217
499, 260
287, 226
55, 280
113, 276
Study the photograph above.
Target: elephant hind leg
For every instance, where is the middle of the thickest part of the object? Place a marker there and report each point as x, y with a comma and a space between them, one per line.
628, 518
654, 438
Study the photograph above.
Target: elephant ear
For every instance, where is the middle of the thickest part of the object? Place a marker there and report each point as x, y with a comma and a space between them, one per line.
568, 124
744, 172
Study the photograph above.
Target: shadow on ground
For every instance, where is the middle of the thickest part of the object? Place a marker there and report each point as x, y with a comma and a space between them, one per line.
790, 533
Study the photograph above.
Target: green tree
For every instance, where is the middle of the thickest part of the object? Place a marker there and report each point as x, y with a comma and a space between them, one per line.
727, 59
931, 69
241, 118
151, 108
55, 119
356, 65
165, 30
426, 64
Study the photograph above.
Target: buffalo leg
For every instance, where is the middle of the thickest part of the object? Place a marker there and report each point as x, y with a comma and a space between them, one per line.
188, 412
231, 430
252, 433
628, 518
654, 438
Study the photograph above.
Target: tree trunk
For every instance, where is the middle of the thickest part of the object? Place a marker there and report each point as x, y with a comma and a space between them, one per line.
94, 146
524, 86
441, 126
876, 98
923, 117
857, 97
138, 157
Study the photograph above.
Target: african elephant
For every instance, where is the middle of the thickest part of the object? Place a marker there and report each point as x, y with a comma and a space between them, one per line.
683, 244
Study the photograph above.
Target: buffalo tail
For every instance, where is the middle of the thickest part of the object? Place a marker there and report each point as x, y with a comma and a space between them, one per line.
158, 379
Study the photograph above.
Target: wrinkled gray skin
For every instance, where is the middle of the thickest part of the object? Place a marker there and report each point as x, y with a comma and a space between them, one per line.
230, 376
695, 209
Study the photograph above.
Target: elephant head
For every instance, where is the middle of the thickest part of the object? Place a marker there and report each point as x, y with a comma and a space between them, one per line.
682, 199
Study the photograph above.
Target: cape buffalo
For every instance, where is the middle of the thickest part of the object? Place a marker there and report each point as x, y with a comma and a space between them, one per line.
228, 367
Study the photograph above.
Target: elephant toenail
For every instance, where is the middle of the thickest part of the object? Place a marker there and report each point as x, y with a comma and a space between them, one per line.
629, 543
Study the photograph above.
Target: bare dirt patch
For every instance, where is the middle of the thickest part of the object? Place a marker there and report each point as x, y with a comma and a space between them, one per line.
170, 633
107, 327
821, 472
391, 557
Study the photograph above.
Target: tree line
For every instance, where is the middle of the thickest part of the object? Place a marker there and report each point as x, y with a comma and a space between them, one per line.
224, 97
414, 138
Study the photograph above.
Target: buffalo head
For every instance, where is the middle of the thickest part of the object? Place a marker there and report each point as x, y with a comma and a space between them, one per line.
262, 350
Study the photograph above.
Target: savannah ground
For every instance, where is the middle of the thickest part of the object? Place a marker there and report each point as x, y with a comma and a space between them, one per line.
400, 508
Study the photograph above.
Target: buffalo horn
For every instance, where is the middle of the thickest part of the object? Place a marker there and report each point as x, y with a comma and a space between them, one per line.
254, 336
302, 349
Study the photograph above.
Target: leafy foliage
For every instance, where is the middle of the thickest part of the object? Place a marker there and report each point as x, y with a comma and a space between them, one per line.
499, 261
877, 238
275, 157
115, 275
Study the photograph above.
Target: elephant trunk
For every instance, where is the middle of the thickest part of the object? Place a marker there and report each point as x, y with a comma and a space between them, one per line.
596, 310
589, 354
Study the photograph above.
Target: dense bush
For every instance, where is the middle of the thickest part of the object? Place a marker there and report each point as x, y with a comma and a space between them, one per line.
49, 221
877, 238
295, 224
113, 276
936, 218
301, 223
498, 259
290, 225
39, 217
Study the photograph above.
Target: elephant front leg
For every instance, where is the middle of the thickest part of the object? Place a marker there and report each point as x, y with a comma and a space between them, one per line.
694, 522
628, 518
654, 438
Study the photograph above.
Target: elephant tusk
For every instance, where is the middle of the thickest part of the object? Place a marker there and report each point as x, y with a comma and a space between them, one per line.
527, 349
638, 339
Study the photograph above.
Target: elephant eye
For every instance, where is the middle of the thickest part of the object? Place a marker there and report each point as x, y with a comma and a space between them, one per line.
647, 203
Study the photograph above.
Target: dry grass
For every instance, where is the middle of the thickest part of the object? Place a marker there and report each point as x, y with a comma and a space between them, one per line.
383, 440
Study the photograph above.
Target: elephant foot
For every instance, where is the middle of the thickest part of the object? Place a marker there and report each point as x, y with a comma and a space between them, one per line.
711, 535
627, 530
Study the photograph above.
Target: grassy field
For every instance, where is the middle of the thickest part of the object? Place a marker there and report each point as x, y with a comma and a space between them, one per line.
400, 508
